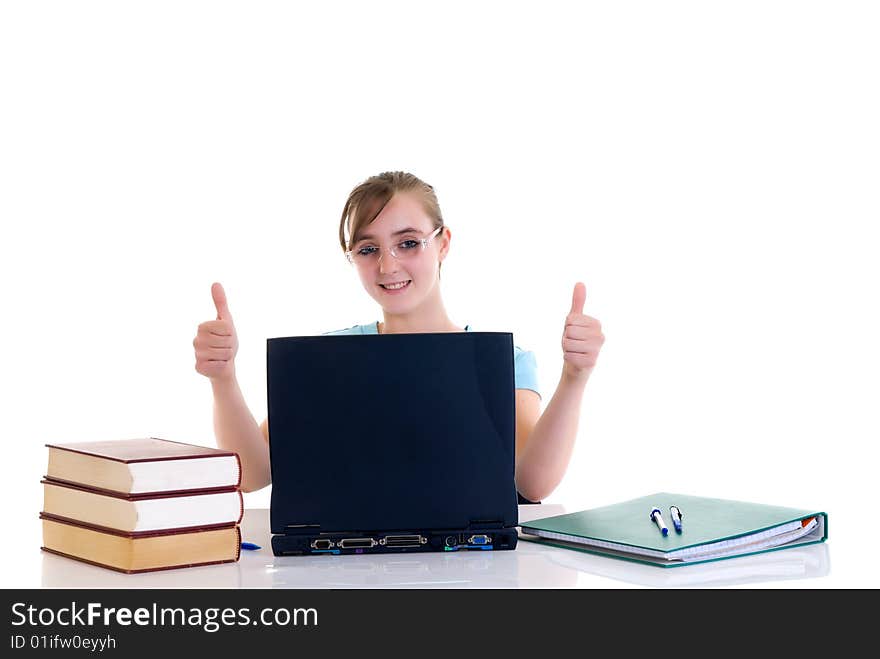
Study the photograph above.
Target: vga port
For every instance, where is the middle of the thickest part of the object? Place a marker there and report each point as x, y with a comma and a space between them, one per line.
479, 539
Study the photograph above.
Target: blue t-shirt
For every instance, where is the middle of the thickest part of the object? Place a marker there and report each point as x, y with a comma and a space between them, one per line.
525, 368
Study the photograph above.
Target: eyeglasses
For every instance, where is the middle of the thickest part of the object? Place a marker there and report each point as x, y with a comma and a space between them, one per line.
405, 250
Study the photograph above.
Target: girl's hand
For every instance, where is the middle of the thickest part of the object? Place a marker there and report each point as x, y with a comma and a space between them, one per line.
581, 340
216, 342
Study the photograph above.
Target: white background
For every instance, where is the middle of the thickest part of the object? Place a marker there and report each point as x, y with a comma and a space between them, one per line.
709, 170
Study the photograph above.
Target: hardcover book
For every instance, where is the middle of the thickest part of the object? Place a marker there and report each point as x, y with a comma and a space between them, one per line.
140, 513
145, 552
143, 465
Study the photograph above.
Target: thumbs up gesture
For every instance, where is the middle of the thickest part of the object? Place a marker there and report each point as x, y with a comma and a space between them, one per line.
216, 342
582, 338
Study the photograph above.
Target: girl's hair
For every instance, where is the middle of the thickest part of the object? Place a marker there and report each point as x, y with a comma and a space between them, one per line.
368, 199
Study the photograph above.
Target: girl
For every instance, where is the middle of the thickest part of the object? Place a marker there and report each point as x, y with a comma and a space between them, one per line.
392, 232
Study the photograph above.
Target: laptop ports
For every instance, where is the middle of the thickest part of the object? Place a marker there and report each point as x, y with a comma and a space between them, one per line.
479, 539
321, 544
356, 543
413, 540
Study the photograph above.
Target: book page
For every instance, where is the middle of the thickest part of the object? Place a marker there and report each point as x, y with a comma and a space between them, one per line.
756, 542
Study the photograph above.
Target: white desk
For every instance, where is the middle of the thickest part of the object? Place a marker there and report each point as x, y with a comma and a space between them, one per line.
528, 566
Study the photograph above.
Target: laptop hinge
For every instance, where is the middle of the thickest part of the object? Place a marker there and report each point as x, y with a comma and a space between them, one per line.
486, 524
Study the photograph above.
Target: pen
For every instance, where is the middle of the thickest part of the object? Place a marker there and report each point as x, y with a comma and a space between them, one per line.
675, 514
657, 518
249, 545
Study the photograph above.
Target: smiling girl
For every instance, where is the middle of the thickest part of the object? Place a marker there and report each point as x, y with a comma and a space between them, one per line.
393, 233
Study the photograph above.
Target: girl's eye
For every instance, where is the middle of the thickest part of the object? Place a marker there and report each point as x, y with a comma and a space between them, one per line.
408, 244
366, 251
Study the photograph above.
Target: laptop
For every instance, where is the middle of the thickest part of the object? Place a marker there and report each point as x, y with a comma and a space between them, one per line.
391, 443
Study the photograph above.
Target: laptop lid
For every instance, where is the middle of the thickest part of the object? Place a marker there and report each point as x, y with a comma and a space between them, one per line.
392, 431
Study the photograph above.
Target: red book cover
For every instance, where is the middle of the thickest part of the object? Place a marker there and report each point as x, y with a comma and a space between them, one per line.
142, 449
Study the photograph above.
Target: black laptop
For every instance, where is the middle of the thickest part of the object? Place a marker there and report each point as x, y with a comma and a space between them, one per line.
392, 443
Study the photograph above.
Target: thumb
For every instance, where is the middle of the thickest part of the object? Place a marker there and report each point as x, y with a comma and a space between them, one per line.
578, 298
219, 296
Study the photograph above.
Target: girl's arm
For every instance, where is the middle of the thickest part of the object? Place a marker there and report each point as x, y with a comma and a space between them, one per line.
236, 430
543, 454
545, 441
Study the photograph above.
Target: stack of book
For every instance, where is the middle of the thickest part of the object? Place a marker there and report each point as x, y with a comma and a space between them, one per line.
142, 504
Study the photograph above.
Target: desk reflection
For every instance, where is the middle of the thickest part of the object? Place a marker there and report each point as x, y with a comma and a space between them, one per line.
454, 570
62, 572
807, 562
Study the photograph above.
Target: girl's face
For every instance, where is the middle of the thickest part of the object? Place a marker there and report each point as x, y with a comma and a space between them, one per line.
400, 284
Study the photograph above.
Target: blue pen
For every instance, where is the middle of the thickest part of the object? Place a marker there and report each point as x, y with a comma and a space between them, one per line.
250, 545
675, 514
657, 518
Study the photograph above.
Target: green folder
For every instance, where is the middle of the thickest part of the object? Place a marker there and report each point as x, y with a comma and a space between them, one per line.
711, 529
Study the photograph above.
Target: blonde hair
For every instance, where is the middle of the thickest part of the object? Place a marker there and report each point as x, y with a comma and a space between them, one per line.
368, 199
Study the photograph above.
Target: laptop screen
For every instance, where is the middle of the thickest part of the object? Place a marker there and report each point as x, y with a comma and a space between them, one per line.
391, 432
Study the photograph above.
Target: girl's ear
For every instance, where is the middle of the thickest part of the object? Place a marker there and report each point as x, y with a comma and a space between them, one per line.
445, 238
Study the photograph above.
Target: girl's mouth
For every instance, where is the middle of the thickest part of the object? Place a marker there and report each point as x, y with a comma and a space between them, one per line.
396, 287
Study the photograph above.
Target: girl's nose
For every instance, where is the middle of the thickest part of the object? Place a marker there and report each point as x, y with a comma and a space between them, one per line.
387, 262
